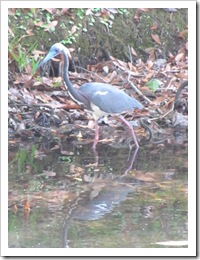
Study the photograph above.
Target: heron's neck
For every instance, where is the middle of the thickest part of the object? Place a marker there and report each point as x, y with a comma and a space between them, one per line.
74, 94
68, 83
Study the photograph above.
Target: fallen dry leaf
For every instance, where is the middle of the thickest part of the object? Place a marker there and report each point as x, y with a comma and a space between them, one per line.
145, 9
49, 173
156, 38
133, 52
65, 11
73, 29
179, 57
186, 45
38, 24
51, 10
37, 54
154, 26
29, 32
26, 205
183, 34
50, 25
10, 31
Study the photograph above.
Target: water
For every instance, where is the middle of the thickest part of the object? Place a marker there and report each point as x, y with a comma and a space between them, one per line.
76, 204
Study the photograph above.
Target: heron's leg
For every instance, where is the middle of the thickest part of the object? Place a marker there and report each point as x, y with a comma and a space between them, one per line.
131, 129
130, 162
96, 138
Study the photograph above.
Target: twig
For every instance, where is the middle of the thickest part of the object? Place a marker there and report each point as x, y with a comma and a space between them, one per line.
130, 55
137, 90
162, 116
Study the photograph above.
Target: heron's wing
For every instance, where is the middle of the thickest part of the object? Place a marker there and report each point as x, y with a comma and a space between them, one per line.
108, 98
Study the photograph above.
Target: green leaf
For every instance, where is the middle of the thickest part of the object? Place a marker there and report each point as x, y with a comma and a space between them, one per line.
153, 85
67, 159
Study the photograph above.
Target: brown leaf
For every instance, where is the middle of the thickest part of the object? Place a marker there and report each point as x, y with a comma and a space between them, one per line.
171, 56
186, 45
50, 25
26, 205
150, 64
149, 75
66, 152
179, 57
182, 75
64, 11
183, 34
44, 98
15, 208
131, 67
47, 81
71, 50
145, 9
152, 55
29, 32
49, 173
73, 30
168, 67
79, 169
156, 38
137, 15
72, 169
39, 24
55, 147
10, 31
104, 13
12, 11
22, 78
122, 63
51, 10
37, 54
113, 76
171, 16
154, 26
133, 52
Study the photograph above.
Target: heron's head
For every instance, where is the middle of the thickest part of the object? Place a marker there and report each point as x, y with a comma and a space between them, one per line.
55, 50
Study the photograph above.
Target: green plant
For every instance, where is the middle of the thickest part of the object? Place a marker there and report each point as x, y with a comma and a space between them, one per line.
48, 17
122, 11
153, 84
92, 21
17, 12
96, 10
62, 25
80, 13
22, 57
107, 22
56, 84
70, 39
34, 65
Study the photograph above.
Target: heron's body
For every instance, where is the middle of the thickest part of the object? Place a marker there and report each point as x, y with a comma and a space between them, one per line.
100, 93
101, 99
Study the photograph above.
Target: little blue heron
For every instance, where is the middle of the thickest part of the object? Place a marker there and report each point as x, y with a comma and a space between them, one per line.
99, 98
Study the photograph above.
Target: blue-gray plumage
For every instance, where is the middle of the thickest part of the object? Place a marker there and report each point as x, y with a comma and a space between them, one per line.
108, 98
101, 99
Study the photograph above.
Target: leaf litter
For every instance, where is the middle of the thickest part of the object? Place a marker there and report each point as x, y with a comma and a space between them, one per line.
42, 103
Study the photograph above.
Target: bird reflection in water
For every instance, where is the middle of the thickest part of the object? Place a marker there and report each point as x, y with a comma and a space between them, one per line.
99, 198
101, 100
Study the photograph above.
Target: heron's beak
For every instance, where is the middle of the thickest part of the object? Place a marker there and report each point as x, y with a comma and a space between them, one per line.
49, 56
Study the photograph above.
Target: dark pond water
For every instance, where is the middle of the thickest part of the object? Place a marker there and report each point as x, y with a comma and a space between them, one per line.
77, 204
